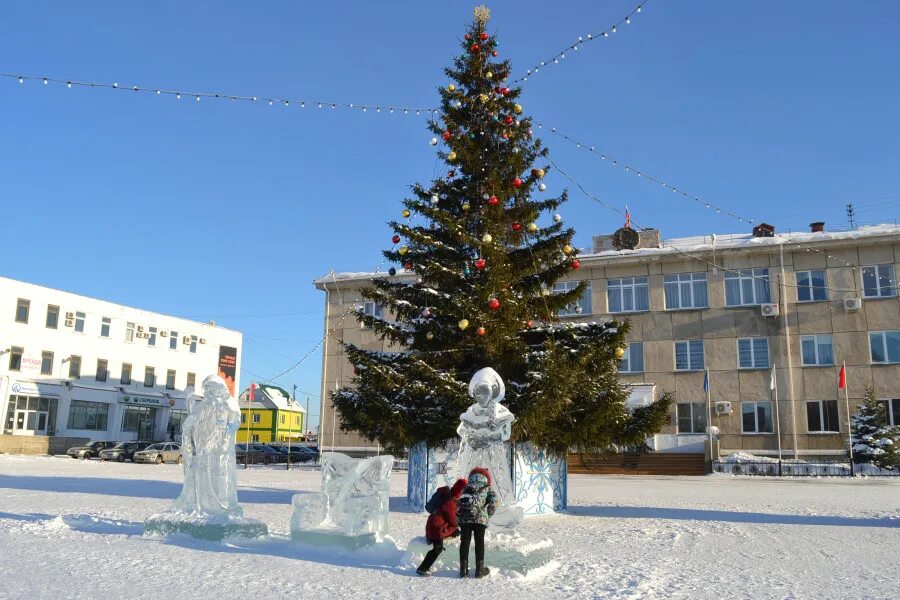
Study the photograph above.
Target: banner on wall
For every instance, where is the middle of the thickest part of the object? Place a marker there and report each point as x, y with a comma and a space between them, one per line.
228, 366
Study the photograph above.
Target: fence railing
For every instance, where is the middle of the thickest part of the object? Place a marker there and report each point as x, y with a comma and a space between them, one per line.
800, 469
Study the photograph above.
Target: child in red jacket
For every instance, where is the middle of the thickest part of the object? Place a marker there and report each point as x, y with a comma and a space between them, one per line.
441, 523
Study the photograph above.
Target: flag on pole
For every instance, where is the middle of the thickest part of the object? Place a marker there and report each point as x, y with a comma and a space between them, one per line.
252, 389
772, 379
627, 217
705, 380
842, 379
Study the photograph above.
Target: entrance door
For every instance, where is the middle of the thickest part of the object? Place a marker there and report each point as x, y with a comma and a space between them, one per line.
31, 422
145, 430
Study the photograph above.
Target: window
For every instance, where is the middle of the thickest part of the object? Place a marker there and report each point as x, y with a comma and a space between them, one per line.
173, 340
22, 308
255, 438
133, 415
811, 286
878, 281
149, 377
102, 369
686, 290
125, 378
373, 309
756, 417
46, 363
15, 358
633, 360
282, 419
885, 346
689, 355
191, 379
817, 350
52, 316
193, 347
79, 322
75, 367
746, 287
691, 418
243, 418
170, 379
297, 421
582, 305
628, 294
891, 411
105, 323
88, 415
753, 353
151, 340
822, 416
129, 332
256, 418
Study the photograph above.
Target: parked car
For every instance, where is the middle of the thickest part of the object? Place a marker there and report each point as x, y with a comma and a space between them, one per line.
91, 449
123, 451
298, 454
258, 453
159, 453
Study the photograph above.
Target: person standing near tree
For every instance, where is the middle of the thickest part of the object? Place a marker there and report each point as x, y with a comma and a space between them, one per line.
441, 522
474, 508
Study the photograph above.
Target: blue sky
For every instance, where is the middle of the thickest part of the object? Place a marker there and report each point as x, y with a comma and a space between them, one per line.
783, 111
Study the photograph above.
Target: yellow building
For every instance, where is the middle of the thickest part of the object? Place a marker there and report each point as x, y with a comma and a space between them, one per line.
271, 417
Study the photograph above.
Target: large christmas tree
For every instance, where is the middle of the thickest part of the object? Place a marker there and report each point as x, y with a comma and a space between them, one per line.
874, 441
485, 266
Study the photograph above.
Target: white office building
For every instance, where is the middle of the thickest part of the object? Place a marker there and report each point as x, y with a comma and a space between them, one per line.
78, 367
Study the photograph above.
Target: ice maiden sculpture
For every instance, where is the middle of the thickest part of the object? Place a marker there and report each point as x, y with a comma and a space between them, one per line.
484, 431
208, 505
352, 509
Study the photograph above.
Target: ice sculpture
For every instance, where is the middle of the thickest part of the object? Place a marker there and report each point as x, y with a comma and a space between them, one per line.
353, 507
484, 431
208, 505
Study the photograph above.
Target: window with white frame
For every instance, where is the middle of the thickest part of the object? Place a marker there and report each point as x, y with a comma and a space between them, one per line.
581, 306
747, 287
372, 309
753, 353
79, 321
129, 332
878, 281
193, 347
105, 324
691, 417
821, 416
151, 341
885, 346
254, 438
891, 411
627, 294
686, 290
689, 355
102, 369
23, 306
756, 417
125, 375
149, 376
46, 363
255, 418
170, 379
817, 350
173, 340
812, 286
52, 321
633, 359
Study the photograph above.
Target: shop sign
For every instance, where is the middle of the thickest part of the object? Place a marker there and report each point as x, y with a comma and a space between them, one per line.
142, 400
25, 388
31, 363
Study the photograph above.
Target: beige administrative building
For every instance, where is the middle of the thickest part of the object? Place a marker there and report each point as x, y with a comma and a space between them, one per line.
734, 308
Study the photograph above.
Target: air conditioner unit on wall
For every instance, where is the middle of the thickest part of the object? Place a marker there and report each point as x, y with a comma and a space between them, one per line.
70, 315
186, 339
723, 407
852, 304
70, 322
769, 310
202, 340
163, 333
140, 327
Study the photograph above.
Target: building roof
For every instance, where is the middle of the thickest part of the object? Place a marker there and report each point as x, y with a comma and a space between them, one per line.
726, 241
270, 397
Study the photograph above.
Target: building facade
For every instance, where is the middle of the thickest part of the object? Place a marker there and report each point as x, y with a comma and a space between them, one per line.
734, 311
272, 416
78, 367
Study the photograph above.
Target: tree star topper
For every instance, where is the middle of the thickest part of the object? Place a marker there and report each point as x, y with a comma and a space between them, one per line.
482, 14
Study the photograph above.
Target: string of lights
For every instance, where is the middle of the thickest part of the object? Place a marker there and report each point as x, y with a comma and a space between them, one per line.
198, 96
628, 168
581, 41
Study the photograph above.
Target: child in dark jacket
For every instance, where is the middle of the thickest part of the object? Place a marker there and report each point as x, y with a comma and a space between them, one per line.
476, 507
441, 524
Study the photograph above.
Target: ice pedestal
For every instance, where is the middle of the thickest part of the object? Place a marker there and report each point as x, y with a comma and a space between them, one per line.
204, 528
353, 508
506, 552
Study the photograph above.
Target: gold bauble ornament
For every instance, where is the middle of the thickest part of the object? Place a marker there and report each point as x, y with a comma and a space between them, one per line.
540, 173
517, 108
463, 323
451, 156
429, 336
487, 238
489, 75
451, 88
405, 214
483, 97
620, 352
567, 249
403, 250
466, 206
532, 227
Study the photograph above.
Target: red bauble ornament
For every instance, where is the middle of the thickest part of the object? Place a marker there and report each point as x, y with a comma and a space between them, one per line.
493, 200
505, 136
446, 136
529, 324
475, 48
484, 36
408, 266
493, 304
534, 172
516, 226
517, 182
504, 91
451, 174
480, 263
495, 53
576, 263
467, 36
396, 239
481, 331
508, 120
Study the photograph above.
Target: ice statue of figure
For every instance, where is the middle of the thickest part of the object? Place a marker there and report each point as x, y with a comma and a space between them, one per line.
484, 432
208, 504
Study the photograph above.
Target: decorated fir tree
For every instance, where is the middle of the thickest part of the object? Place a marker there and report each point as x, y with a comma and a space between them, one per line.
486, 247
874, 441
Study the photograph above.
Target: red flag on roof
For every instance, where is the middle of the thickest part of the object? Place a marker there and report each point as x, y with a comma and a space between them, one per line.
842, 378
627, 217
252, 389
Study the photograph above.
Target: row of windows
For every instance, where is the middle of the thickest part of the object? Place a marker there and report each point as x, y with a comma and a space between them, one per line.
78, 318
94, 416
743, 287
102, 372
255, 419
753, 352
756, 417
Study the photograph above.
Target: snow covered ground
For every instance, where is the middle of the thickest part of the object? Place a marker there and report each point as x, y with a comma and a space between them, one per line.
72, 529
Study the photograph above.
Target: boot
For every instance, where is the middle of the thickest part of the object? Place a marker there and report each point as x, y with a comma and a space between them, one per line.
481, 570
463, 568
